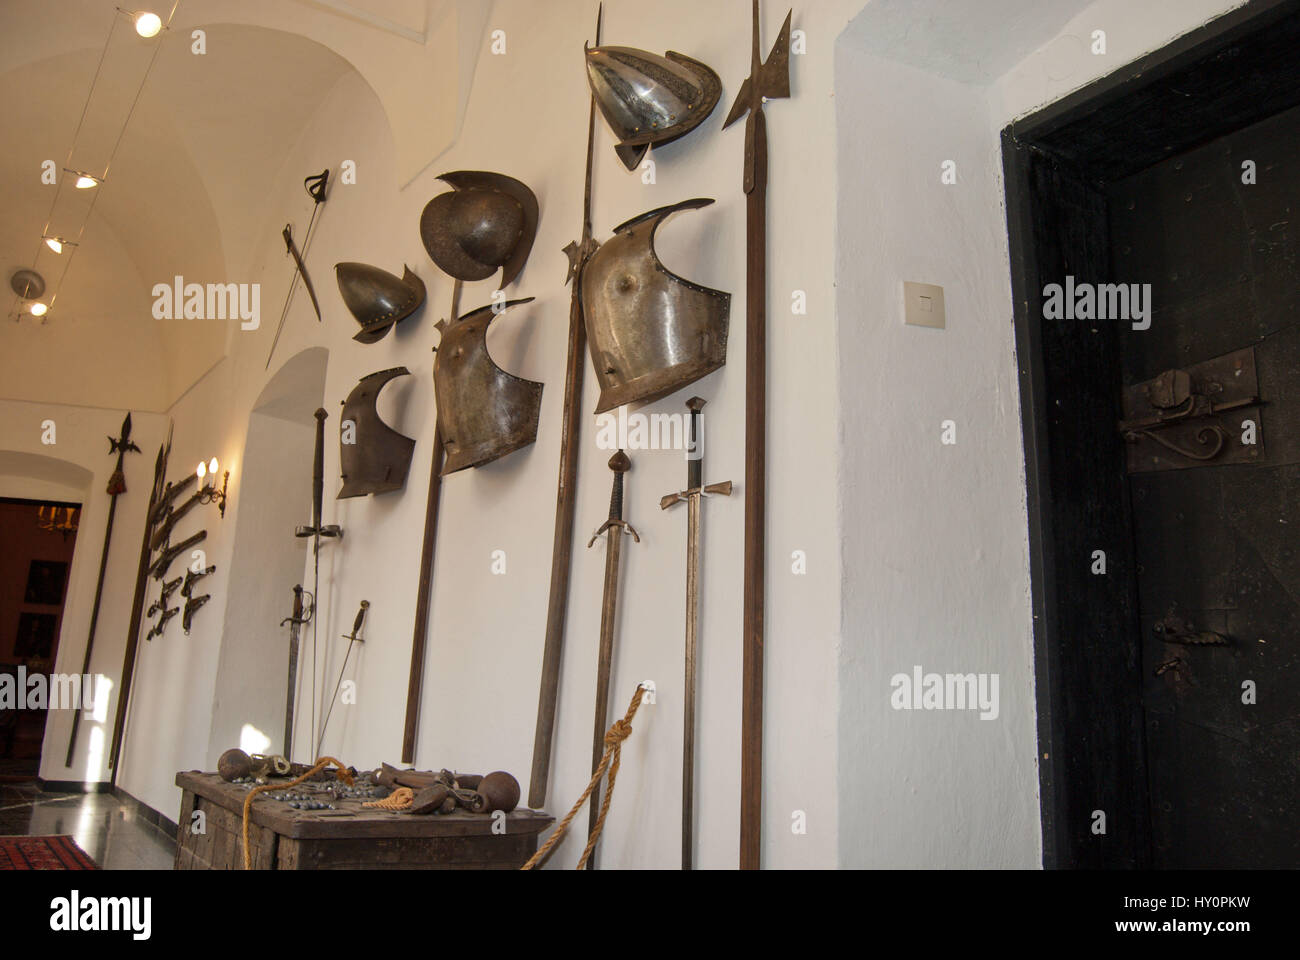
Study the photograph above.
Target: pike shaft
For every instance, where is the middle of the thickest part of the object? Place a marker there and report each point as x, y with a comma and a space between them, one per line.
94, 619
751, 721
565, 497
424, 589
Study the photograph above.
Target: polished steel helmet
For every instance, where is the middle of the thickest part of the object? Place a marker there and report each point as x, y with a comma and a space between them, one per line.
483, 412
651, 332
649, 100
373, 456
486, 223
376, 298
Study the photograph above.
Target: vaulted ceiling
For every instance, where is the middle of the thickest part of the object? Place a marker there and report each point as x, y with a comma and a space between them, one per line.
187, 188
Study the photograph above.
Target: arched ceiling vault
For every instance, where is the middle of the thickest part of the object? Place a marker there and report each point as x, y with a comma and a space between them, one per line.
187, 190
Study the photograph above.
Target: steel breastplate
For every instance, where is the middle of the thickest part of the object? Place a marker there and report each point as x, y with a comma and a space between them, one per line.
484, 413
650, 331
379, 457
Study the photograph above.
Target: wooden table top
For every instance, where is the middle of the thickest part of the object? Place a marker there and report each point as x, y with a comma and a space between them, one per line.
350, 819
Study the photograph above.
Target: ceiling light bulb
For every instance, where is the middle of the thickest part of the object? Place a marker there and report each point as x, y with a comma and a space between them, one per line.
85, 183
203, 469
38, 309
54, 243
212, 467
148, 25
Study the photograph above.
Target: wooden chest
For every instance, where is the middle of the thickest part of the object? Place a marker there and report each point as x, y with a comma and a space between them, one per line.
349, 838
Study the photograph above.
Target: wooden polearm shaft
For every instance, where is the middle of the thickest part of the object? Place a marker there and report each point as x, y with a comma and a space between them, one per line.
116, 487
424, 589
565, 497
767, 80
137, 609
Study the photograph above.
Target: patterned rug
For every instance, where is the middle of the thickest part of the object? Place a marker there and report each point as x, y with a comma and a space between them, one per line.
43, 853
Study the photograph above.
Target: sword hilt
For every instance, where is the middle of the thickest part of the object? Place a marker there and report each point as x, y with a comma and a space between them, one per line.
620, 464
694, 451
356, 623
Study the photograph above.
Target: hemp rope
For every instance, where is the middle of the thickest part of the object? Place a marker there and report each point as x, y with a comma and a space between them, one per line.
321, 764
399, 799
618, 732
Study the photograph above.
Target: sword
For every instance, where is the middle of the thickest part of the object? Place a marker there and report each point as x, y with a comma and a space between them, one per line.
615, 526
315, 187
116, 487
295, 620
352, 639
317, 530
579, 252
693, 495
767, 81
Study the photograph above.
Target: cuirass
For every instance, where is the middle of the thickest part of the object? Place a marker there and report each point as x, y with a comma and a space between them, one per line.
650, 331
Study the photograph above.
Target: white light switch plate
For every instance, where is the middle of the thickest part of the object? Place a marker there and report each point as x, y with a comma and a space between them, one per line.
923, 305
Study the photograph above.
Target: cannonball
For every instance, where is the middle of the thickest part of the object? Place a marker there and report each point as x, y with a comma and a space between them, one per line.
501, 791
234, 764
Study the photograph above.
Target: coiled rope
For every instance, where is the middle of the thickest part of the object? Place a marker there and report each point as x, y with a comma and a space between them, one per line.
610, 760
321, 764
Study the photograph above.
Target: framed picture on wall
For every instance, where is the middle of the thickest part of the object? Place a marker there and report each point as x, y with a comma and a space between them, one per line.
35, 636
45, 580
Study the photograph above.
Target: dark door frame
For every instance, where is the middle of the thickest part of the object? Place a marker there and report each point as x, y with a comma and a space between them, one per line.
1228, 74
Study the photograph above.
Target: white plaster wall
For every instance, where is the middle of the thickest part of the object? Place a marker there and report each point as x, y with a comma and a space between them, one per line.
934, 540
81, 440
526, 117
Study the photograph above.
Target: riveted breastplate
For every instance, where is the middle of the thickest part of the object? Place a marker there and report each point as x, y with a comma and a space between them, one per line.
483, 412
374, 457
650, 331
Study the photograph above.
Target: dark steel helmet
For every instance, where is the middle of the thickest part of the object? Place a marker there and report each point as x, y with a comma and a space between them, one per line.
486, 223
377, 298
649, 100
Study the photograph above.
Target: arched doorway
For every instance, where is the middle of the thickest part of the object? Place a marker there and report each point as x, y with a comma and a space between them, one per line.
248, 710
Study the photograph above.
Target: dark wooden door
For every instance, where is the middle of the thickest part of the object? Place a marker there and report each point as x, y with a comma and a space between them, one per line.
1218, 544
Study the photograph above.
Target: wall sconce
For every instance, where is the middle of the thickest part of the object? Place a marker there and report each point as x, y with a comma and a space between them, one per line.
208, 493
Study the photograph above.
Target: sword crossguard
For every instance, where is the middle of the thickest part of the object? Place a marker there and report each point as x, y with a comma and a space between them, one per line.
714, 489
614, 523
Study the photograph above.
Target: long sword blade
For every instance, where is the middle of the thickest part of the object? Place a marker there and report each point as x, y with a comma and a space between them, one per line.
608, 613
688, 725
